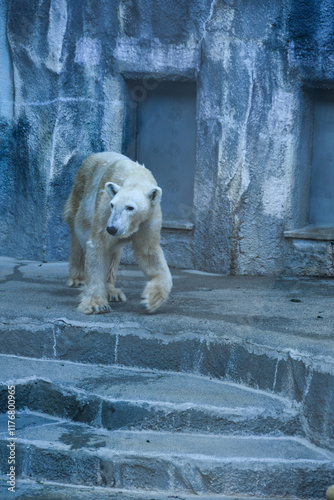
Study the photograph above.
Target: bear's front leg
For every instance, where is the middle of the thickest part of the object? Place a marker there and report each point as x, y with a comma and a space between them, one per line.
114, 294
152, 262
94, 298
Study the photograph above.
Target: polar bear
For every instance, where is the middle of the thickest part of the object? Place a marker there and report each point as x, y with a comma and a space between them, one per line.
115, 201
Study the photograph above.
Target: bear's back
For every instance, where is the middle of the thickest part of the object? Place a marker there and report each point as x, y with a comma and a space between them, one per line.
100, 168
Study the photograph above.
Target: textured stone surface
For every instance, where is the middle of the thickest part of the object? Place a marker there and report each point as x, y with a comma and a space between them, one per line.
228, 390
270, 334
175, 462
63, 96
30, 490
121, 398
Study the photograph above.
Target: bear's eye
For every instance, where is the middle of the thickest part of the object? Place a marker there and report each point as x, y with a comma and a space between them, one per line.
130, 208
111, 206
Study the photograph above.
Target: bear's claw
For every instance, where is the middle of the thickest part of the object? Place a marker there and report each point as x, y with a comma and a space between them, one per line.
75, 282
92, 306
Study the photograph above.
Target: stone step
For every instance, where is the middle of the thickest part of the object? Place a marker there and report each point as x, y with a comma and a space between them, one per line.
267, 333
57, 450
118, 397
47, 490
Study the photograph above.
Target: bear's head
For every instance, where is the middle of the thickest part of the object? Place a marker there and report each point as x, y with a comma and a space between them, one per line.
130, 206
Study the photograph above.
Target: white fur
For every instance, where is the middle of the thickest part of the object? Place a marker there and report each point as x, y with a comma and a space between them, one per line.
115, 201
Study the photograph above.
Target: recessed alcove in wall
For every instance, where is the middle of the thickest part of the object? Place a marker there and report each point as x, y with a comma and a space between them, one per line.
319, 167
160, 132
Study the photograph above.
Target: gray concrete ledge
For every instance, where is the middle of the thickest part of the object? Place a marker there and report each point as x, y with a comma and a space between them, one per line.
272, 334
75, 453
312, 232
48, 490
120, 398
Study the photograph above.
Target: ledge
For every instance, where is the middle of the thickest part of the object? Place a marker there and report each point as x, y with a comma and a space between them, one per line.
312, 232
151, 57
184, 225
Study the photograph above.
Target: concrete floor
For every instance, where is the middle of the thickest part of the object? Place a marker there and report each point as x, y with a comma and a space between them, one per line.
272, 335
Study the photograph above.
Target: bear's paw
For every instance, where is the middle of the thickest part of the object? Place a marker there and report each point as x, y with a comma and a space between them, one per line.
155, 295
115, 294
94, 305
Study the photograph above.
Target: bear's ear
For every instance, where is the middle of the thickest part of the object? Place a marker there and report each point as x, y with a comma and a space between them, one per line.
111, 188
155, 195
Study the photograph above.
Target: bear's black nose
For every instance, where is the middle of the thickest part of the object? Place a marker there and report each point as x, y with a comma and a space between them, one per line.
112, 230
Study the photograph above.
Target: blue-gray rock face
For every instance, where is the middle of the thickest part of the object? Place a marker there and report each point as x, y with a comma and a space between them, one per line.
63, 96
311, 38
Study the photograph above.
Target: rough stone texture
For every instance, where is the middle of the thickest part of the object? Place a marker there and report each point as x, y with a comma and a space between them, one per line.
121, 398
275, 335
227, 390
78, 454
30, 490
63, 96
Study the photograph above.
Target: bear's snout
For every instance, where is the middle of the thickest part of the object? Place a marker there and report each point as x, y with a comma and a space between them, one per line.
112, 230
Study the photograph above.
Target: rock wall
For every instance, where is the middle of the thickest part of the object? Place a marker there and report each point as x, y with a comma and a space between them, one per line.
64, 96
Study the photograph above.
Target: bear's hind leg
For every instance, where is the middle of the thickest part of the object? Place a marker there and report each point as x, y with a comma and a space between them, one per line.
77, 264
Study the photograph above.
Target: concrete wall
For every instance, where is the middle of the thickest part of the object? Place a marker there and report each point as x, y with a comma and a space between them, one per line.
63, 93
